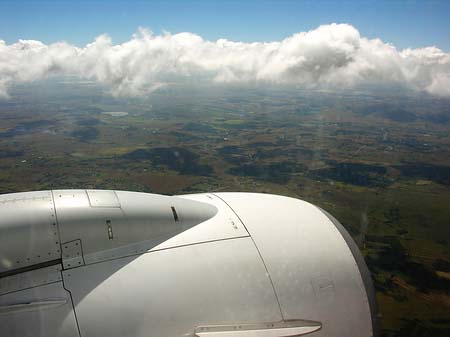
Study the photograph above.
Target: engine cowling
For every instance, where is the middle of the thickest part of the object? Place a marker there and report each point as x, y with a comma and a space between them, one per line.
117, 263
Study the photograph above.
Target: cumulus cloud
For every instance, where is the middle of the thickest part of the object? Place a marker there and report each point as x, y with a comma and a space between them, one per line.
331, 56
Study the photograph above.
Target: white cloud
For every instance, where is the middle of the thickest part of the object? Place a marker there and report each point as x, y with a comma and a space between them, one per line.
331, 56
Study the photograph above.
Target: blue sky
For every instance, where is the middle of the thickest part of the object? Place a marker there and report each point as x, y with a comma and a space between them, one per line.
402, 23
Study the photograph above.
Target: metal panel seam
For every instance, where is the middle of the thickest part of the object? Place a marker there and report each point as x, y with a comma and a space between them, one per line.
61, 271
259, 253
57, 224
71, 301
27, 288
162, 249
30, 268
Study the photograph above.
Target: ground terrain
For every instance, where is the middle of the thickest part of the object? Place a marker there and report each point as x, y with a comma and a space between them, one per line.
380, 163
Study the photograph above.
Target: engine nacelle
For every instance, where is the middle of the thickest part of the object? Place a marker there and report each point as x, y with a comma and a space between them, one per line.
87, 263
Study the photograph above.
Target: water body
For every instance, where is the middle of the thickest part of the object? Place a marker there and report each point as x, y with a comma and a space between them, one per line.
115, 113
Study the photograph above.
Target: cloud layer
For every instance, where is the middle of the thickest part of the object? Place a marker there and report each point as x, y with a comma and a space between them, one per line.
331, 56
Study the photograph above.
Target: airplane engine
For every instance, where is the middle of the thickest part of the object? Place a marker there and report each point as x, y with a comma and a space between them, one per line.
95, 263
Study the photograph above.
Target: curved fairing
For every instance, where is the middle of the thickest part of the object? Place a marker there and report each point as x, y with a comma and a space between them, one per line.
88, 263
